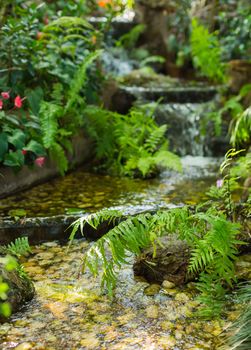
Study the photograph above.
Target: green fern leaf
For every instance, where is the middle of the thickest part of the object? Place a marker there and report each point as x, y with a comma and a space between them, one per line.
58, 155
19, 247
49, 114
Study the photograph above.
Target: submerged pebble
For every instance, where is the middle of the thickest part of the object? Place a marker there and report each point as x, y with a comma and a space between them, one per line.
72, 313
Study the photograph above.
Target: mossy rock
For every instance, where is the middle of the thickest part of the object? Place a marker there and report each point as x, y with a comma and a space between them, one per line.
21, 288
169, 263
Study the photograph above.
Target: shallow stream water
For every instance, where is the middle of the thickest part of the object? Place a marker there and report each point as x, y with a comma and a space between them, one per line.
83, 191
70, 312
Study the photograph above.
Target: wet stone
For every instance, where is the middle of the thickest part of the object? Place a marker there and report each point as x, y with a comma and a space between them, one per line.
152, 289
168, 285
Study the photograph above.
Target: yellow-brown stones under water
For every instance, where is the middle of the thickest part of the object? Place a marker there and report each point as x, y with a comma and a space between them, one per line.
89, 193
71, 313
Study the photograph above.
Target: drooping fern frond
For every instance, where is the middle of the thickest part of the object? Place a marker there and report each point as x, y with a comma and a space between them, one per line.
58, 155
49, 114
94, 220
110, 252
18, 248
66, 23
218, 244
210, 235
80, 80
241, 130
129, 236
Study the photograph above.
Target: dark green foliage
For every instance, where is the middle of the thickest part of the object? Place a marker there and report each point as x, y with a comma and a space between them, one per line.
129, 40
62, 117
206, 53
17, 248
131, 145
19, 132
235, 30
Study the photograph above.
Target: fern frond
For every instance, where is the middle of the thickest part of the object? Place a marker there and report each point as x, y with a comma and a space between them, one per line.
241, 130
58, 155
94, 220
111, 251
49, 114
18, 248
79, 80
64, 23
154, 139
167, 160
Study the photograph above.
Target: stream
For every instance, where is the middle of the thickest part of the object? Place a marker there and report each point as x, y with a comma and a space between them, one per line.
70, 312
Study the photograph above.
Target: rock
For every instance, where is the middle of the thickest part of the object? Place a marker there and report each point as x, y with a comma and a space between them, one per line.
152, 311
24, 346
170, 262
20, 290
243, 267
152, 289
168, 285
182, 297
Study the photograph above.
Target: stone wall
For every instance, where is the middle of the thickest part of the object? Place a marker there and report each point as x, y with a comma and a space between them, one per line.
11, 182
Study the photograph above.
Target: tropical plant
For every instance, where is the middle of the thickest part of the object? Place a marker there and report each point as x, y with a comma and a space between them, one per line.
206, 53
20, 141
241, 128
130, 144
66, 44
19, 47
235, 27
61, 117
231, 109
19, 247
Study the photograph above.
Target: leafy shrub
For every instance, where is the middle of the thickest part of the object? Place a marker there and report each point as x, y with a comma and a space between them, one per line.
130, 144
212, 238
61, 117
235, 29
20, 143
206, 53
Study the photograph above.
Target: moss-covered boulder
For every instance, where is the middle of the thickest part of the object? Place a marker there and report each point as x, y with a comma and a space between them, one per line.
170, 262
21, 288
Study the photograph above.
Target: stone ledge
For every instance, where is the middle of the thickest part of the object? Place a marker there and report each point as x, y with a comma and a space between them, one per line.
11, 182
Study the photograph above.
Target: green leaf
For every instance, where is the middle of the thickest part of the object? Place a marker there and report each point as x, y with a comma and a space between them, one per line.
14, 159
35, 147
3, 145
49, 114
35, 98
17, 139
58, 155
5, 309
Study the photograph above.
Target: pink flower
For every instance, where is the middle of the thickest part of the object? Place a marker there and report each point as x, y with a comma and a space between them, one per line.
1, 104
40, 161
219, 183
5, 95
18, 102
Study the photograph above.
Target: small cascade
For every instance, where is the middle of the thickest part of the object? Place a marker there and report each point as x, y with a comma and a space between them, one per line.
184, 108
